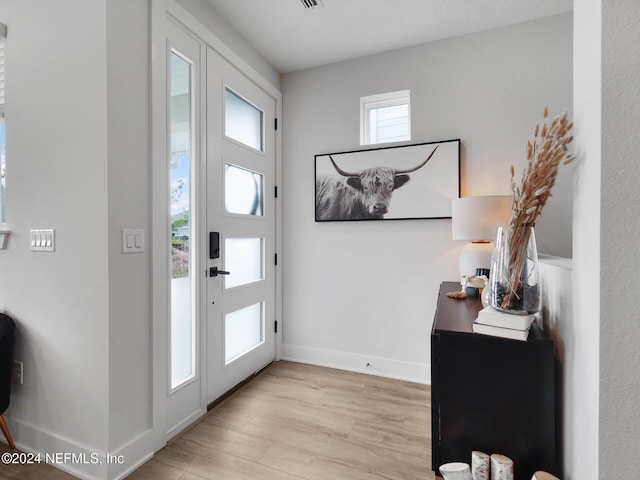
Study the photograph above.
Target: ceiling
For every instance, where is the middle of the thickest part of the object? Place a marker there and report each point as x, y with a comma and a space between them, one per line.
293, 38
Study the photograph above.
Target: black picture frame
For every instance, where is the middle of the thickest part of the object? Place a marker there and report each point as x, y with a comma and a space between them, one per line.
384, 183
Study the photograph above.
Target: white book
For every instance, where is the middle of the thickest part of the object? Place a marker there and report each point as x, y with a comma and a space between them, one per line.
496, 318
501, 332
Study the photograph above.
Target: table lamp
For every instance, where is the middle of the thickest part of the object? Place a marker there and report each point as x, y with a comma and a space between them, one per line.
475, 219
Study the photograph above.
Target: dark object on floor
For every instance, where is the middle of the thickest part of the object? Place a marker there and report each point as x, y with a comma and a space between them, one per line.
7, 334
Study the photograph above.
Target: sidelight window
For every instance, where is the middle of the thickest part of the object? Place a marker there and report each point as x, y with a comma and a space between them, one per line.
181, 241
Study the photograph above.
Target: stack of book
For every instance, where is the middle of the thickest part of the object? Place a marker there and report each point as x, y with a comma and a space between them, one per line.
499, 324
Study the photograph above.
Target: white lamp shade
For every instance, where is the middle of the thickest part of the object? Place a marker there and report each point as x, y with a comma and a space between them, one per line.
476, 218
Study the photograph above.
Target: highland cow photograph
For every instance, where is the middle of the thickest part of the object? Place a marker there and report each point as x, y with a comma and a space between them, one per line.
393, 183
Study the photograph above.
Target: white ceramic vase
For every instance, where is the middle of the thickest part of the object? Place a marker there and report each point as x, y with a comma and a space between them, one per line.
480, 465
543, 476
501, 467
455, 471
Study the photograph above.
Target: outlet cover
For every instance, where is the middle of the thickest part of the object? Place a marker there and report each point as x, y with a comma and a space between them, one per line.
18, 372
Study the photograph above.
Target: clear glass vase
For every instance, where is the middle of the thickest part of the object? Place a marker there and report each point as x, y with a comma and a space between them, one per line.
515, 286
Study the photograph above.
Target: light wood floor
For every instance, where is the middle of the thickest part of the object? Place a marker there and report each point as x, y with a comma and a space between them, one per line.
300, 422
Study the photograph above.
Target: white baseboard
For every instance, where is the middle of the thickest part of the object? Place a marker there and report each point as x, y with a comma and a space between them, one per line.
186, 423
382, 367
134, 453
80, 460
60, 452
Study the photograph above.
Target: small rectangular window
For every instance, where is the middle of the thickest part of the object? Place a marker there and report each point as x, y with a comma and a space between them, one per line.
385, 118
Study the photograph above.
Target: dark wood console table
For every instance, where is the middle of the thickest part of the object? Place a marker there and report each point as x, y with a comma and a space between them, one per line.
489, 393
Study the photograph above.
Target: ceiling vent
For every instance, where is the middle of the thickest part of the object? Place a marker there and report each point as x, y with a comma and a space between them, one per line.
311, 3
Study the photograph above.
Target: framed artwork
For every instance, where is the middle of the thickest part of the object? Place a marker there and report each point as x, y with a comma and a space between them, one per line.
390, 183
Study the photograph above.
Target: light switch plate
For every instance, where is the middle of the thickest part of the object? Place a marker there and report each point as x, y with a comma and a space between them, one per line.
132, 240
43, 240
4, 238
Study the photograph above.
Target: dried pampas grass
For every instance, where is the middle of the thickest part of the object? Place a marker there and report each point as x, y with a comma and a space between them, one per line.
544, 156
549, 149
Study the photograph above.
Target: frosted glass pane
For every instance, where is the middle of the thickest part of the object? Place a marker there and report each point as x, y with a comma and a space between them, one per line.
181, 331
389, 124
242, 121
242, 191
243, 257
182, 320
243, 330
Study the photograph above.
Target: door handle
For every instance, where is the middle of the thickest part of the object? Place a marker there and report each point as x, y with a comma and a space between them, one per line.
214, 272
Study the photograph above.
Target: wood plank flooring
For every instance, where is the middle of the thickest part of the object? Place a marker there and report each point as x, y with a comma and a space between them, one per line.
301, 422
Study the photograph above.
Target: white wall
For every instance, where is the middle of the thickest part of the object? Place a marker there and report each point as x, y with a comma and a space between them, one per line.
222, 29
581, 337
358, 293
56, 114
620, 228
130, 368
556, 279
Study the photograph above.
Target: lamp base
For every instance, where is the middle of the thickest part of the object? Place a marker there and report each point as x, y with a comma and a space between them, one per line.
475, 255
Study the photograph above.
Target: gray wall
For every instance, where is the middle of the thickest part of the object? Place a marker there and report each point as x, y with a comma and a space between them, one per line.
358, 293
620, 228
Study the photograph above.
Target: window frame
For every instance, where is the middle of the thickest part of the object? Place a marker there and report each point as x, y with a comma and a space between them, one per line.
382, 100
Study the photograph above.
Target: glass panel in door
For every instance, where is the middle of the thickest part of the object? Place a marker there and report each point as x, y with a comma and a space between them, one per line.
181, 240
243, 331
242, 191
244, 258
242, 120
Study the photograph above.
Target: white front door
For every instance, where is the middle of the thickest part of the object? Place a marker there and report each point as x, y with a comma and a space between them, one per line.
240, 222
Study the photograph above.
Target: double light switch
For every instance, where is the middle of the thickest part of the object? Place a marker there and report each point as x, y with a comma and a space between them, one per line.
132, 240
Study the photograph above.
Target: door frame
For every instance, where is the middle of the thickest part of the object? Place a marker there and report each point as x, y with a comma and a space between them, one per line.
163, 12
